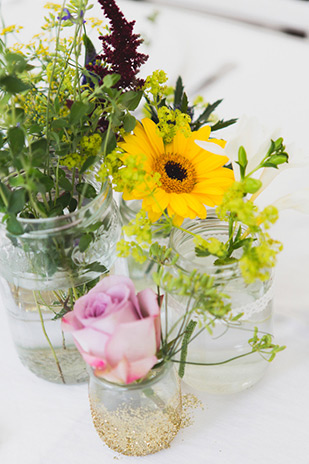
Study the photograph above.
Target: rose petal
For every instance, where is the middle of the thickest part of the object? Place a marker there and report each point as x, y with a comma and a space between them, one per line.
148, 303
94, 361
91, 341
117, 286
117, 374
125, 372
69, 322
108, 324
134, 341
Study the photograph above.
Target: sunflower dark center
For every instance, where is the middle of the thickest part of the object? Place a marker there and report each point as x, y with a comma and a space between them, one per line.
175, 170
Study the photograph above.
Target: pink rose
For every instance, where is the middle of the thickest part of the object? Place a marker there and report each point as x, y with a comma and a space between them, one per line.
116, 331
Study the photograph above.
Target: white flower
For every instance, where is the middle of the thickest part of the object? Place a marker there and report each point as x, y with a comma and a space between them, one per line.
298, 200
254, 138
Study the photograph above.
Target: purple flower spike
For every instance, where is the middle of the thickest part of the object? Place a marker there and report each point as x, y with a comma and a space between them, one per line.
120, 55
66, 16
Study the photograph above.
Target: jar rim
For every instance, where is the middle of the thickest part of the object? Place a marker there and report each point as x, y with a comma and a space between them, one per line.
103, 188
211, 269
159, 372
56, 224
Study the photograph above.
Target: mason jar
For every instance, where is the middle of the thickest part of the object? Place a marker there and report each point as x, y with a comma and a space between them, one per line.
139, 418
140, 273
44, 270
228, 368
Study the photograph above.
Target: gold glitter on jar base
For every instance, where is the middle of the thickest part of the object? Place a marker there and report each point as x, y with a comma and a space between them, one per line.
140, 418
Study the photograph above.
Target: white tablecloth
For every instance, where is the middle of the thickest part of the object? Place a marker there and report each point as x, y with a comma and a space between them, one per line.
268, 76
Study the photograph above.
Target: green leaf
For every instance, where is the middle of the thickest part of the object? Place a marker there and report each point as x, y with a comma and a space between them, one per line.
39, 148
88, 163
16, 62
130, 100
252, 185
16, 139
86, 190
64, 200
35, 129
17, 201
77, 112
110, 80
17, 117
45, 183
17, 181
14, 227
178, 94
201, 252
97, 267
84, 242
64, 183
208, 110
222, 124
62, 313
109, 144
95, 226
13, 85
59, 123
225, 261
72, 205
129, 122
184, 104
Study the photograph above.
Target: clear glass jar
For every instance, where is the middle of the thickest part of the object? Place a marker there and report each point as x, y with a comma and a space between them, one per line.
140, 273
42, 271
253, 300
140, 418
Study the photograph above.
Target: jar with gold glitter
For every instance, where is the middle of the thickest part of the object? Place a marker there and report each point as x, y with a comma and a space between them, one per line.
139, 418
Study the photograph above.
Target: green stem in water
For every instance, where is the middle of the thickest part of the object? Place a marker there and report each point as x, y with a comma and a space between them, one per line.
47, 338
214, 364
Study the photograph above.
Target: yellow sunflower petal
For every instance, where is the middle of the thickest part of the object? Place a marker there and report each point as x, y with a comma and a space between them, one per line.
155, 140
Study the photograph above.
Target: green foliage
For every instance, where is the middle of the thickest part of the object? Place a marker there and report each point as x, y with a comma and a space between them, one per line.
174, 100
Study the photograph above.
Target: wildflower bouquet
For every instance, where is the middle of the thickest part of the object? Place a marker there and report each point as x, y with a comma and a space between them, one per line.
68, 137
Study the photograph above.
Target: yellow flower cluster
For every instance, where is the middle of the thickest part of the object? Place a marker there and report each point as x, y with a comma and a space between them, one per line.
140, 227
91, 145
57, 73
126, 249
154, 83
52, 6
212, 245
110, 166
258, 260
171, 122
73, 160
10, 29
34, 105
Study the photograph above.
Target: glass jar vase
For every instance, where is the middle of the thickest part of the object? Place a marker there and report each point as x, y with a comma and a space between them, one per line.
139, 418
44, 270
140, 273
227, 341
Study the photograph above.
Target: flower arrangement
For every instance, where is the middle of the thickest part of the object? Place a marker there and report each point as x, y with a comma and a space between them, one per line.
68, 129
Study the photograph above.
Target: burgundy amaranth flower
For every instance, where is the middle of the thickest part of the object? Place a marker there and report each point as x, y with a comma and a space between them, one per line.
119, 49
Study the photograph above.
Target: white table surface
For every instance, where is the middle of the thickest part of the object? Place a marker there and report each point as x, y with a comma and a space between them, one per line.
43, 423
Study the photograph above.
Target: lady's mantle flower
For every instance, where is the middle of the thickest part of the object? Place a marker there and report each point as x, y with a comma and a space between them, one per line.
183, 177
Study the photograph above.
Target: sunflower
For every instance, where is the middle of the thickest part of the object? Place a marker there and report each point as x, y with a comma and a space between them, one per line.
180, 176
